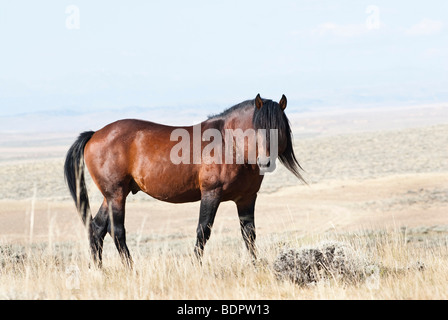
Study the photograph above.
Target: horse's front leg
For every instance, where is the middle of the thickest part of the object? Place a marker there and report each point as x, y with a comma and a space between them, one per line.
247, 222
209, 205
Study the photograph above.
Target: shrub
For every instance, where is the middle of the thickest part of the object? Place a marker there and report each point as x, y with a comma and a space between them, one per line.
328, 260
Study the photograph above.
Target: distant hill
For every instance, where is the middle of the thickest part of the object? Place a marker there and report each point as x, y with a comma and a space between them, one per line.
65, 121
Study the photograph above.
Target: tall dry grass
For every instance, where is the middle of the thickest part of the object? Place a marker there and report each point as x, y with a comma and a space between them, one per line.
409, 265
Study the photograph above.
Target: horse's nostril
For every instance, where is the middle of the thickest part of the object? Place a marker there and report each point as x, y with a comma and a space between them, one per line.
264, 164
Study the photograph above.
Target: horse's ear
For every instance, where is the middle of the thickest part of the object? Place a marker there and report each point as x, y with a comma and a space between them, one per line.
283, 102
258, 101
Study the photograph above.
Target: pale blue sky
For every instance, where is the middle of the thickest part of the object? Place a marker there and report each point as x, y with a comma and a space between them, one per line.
212, 54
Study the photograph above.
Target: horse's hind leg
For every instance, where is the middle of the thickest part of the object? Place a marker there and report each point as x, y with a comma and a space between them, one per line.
209, 205
247, 222
98, 230
116, 228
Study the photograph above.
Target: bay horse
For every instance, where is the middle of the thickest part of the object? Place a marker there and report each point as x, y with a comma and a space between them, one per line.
135, 155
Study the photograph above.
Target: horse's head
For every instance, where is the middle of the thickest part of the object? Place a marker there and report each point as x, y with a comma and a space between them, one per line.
274, 136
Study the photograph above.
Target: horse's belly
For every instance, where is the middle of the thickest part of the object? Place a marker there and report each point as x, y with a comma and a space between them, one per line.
188, 196
170, 185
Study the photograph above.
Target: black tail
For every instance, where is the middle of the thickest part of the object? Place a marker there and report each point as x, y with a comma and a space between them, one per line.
74, 175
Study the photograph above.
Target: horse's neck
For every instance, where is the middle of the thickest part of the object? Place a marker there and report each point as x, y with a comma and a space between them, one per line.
240, 119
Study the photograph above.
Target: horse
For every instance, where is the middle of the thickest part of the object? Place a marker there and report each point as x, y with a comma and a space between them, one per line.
128, 156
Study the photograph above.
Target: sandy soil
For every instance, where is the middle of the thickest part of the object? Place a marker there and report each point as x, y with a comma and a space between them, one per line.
361, 174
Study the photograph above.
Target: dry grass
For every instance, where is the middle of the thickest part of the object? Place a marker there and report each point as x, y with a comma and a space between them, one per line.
364, 186
405, 268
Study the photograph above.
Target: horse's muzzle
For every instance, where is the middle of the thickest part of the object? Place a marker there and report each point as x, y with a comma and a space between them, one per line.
265, 164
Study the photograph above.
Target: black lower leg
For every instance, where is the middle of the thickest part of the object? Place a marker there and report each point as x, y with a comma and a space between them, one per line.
209, 205
249, 236
97, 232
247, 223
120, 243
117, 230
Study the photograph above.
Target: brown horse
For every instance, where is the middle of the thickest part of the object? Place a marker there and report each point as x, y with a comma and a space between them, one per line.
134, 155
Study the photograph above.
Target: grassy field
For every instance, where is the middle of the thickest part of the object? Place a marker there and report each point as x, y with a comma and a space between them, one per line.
407, 264
383, 194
